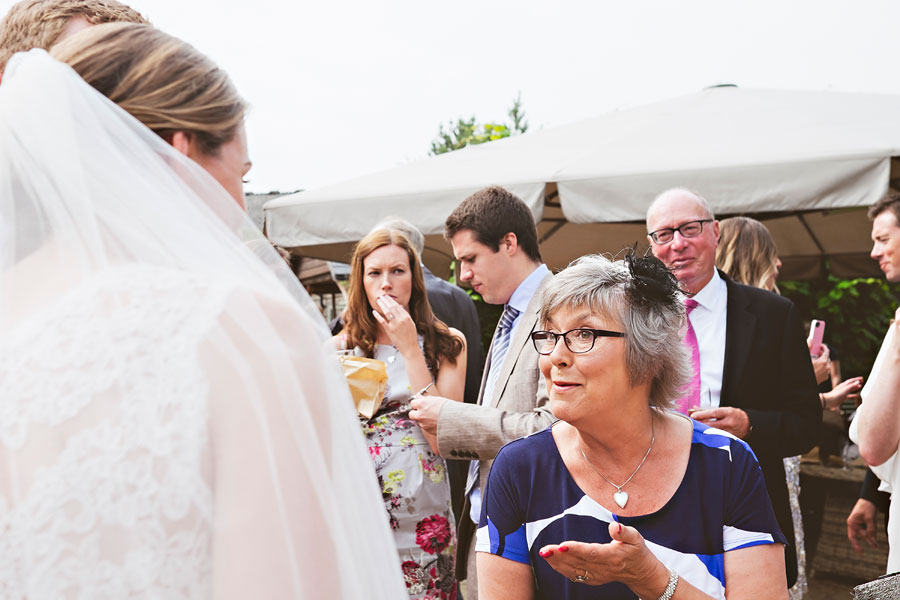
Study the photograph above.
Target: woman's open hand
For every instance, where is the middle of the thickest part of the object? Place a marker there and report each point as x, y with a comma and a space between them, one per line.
625, 559
846, 390
398, 324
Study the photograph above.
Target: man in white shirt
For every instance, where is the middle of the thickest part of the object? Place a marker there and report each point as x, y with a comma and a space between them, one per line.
494, 238
876, 427
756, 378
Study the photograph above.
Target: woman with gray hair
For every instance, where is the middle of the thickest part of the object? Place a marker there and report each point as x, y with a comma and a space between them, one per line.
622, 497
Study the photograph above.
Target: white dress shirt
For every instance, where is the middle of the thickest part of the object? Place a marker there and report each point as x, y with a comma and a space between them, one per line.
709, 321
519, 301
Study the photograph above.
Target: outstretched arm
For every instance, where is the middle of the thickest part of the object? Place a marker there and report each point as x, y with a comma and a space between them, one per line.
480, 431
842, 392
752, 572
483, 430
451, 383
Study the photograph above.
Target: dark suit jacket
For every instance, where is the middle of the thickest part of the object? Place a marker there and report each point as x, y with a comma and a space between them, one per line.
769, 375
453, 306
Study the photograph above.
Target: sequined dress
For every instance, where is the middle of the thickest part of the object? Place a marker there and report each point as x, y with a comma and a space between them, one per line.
792, 474
414, 486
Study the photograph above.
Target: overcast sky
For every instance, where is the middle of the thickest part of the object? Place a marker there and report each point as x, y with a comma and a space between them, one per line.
340, 88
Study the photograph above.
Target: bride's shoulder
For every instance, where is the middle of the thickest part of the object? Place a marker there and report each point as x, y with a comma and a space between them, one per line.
133, 298
199, 301
158, 291
139, 277
254, 305
272, 309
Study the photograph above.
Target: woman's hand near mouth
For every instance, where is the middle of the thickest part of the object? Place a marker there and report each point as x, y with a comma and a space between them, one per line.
398, 325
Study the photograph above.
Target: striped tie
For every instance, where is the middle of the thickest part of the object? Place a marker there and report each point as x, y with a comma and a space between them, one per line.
499, 347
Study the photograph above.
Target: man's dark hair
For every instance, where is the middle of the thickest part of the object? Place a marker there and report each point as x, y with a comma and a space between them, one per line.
490, 214
891, 202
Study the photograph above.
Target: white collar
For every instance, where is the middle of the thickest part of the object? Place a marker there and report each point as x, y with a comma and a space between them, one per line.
526, 290
713, 293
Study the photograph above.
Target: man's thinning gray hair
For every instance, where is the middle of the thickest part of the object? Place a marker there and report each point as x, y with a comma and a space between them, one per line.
409, 231
701, 201
654, 351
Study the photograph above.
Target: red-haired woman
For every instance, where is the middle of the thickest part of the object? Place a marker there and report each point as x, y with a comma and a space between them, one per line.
388, 318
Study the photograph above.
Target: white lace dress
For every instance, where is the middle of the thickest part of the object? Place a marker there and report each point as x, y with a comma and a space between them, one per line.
123, 472
104, 446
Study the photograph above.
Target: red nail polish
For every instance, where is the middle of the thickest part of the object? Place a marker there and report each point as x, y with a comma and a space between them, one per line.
620, 528
563, 548
547, 553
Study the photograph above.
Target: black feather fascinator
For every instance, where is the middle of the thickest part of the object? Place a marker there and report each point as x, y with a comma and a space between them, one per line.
652, 284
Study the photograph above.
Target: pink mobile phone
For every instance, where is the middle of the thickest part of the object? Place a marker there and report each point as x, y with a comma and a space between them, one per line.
816, 331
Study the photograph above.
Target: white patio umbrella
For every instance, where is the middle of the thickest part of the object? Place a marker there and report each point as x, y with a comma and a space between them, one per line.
805, 163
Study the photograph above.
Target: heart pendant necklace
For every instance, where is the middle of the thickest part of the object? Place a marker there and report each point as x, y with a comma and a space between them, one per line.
621, 497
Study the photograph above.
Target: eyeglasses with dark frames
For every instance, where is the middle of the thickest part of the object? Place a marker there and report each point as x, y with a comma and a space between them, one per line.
687, 230
579, 340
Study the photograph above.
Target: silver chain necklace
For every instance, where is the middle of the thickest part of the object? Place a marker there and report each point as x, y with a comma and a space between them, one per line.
621, 497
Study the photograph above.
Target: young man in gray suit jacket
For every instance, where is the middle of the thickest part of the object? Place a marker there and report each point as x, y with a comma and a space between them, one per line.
495, 241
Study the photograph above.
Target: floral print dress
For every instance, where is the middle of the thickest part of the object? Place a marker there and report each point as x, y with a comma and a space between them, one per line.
415, 488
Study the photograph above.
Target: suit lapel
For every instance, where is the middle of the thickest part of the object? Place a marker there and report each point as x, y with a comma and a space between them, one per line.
520, 341
484, 372
740, 325
517, 344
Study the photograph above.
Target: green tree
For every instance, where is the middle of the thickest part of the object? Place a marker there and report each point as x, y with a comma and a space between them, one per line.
467, 132
856, 312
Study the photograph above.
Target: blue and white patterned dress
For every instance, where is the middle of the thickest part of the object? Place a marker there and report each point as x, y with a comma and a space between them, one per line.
721, 504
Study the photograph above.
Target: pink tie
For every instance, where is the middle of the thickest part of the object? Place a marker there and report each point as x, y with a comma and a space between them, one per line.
691, 399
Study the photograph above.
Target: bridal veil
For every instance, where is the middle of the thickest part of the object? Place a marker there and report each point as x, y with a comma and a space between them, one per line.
171, 422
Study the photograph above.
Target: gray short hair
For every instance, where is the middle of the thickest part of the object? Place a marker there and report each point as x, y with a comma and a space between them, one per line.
409, 231
654, 329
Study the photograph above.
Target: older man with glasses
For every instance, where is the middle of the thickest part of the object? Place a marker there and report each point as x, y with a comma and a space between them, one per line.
753, 377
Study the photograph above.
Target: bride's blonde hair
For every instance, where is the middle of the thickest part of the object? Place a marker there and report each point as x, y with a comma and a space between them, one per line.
160, 80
